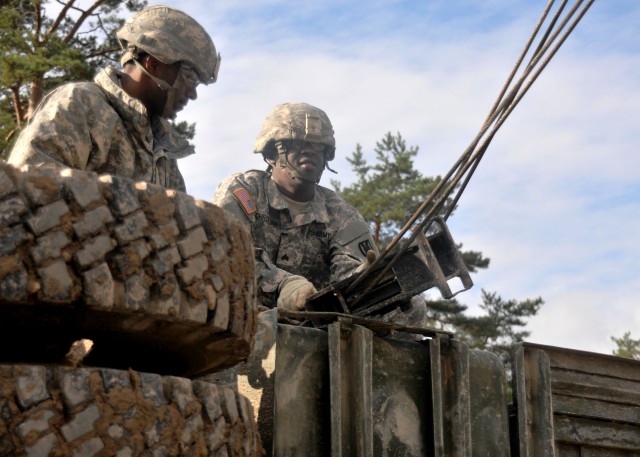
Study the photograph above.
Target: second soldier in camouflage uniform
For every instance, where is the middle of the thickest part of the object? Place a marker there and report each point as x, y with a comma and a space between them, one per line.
305, 236
119, 124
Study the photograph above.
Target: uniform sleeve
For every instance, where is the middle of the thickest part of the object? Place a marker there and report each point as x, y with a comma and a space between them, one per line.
224, 198
269, 276
60, 133
349, 248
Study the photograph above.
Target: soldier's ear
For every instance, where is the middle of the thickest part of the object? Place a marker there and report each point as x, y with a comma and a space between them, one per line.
151, 64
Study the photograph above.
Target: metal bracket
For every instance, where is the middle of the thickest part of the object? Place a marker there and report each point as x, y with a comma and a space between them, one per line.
433, 261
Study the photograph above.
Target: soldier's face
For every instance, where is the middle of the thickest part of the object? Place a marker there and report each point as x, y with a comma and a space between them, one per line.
308, 158
186, 83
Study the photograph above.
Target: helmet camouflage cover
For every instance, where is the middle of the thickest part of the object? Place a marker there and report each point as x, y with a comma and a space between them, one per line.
296, 121
170, 36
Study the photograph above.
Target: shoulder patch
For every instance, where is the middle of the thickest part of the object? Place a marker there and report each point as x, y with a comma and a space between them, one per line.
245, 200
365, 246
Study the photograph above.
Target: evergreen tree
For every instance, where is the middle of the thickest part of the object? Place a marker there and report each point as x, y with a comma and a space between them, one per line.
387, 193
391, 190
627, 346
500, 327
185, 129
43, 44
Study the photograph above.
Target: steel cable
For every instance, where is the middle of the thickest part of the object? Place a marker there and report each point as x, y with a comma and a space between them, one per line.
468, 162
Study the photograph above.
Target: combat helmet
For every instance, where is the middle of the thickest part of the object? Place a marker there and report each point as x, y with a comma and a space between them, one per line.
296, 121
170, 36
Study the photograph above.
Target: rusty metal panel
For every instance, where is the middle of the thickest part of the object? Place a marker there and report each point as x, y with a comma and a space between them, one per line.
604, 434
348, 392
437, 400
473, 418
534, 421
455, 421
350, 364
379, 394
301, 423
576, 403
402, 413
489, 419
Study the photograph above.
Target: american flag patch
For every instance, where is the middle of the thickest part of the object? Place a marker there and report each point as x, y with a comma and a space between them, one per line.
245, 200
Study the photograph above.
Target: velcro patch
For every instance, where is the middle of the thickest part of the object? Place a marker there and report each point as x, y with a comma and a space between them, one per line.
313, 126
365, 246
245, 200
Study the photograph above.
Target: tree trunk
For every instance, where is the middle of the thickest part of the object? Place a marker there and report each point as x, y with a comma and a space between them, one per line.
376, 232
35, 95
17, 107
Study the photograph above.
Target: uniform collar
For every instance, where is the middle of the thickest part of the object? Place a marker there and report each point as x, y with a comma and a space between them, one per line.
130, 109
316, 210
162, 138
168, 141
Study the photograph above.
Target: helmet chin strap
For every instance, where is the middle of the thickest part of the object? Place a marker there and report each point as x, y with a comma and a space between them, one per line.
292, 171
167, 111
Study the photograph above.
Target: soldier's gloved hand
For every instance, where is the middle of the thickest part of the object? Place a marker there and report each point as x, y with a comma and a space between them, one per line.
294, 291
371, 257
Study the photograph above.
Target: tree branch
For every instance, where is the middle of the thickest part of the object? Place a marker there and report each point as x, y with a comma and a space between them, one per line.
11, 134
59, 19
38, 23
83, 17
99, 26
103, 52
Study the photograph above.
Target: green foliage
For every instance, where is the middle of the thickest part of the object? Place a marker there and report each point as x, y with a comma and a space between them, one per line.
473, 260
390, 191
43, 44
501, 326
185, 129
387, 193
627, 346
7, 125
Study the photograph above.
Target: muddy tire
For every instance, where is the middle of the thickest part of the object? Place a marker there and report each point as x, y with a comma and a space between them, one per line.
160, 281
63, 411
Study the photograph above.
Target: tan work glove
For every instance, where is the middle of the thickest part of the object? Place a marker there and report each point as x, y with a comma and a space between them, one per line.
294, 291
371, 257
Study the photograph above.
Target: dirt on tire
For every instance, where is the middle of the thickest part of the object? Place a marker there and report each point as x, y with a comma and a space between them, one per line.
63, 411
160, 281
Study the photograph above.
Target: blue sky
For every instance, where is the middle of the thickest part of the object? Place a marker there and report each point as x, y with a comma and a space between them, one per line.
555, 202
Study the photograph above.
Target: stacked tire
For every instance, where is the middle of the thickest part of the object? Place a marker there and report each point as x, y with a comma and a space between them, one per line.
164, 286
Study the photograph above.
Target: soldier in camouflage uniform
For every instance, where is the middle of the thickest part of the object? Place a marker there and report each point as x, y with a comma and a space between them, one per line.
305, 235
118, 124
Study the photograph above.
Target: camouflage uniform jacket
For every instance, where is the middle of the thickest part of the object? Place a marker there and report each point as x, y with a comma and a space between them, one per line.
324, 243
99, 127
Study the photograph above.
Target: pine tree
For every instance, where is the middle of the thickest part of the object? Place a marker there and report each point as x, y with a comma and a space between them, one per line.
500, 327
43, 44
387, 193
627, 346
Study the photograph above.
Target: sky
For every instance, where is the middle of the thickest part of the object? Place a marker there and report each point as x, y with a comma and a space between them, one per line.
555, 202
